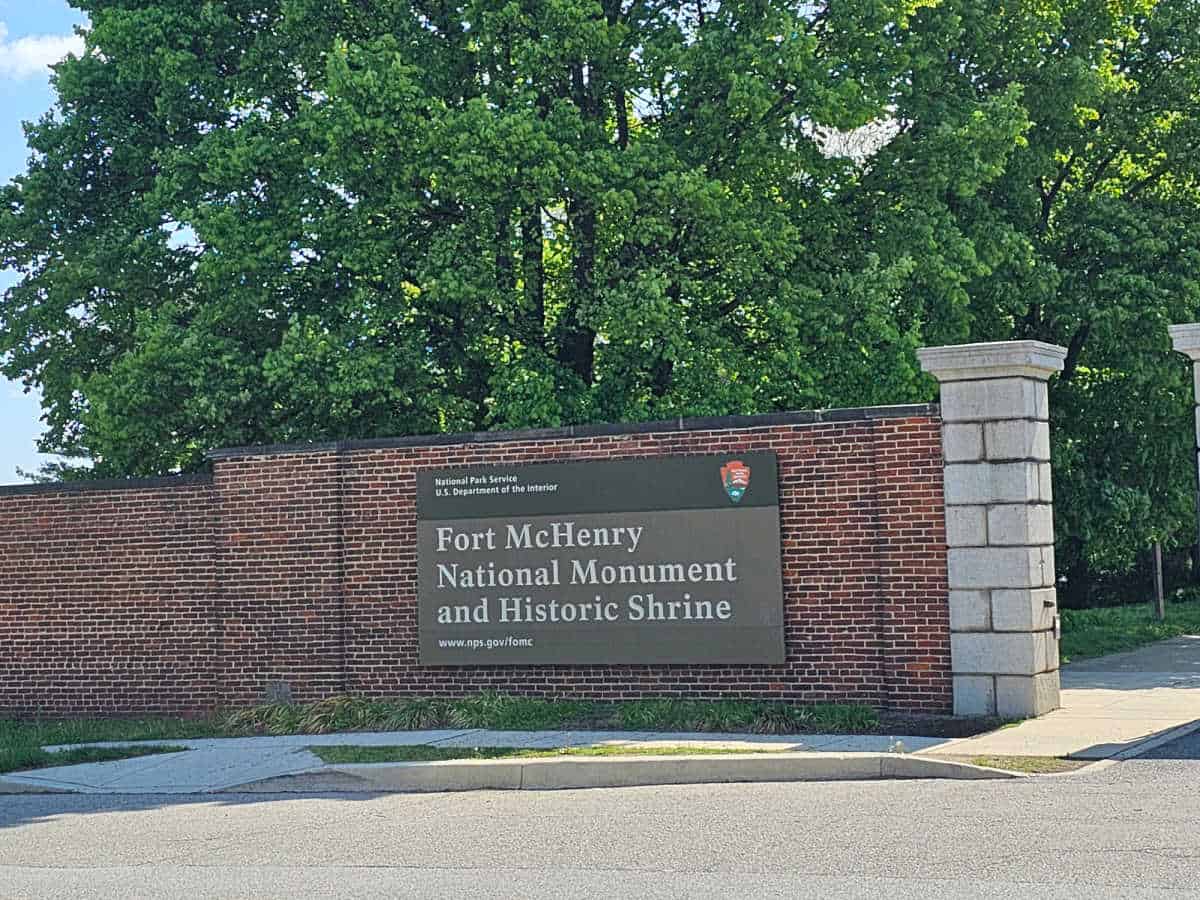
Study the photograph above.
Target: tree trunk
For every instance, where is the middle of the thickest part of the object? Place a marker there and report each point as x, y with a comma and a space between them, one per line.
506, 276
533, 272
577, 349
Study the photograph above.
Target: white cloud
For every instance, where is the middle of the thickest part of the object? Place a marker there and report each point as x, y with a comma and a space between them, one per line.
29, 56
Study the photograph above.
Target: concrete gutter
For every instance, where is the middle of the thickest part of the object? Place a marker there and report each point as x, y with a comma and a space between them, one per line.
617, 771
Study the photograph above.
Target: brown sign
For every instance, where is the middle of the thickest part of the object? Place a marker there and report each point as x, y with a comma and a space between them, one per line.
658, 560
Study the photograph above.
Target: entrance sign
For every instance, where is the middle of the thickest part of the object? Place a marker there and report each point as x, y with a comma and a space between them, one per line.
652, 560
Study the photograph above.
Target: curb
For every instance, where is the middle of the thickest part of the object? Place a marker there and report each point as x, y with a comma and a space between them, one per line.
1144, 746
621, 771
1153, 743
20, 787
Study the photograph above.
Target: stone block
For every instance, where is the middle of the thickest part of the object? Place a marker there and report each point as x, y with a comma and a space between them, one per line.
1050, 657
1019, 524
967, 483
1185, 338
1012, 439
1014, 482
975, 483
996, 653
966, 526
1045, 483
998, 398
963, 443
970, 611
1048, 566
979, 568
974, 695
1023, 610
997, 359
1022, 697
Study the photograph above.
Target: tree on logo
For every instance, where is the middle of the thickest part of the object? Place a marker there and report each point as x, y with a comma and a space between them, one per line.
735, 476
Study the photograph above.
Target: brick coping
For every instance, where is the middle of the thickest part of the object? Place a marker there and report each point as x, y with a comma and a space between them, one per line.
108, 484
570, 432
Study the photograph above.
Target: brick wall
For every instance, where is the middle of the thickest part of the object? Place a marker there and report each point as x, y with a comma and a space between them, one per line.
297, 566
106, 599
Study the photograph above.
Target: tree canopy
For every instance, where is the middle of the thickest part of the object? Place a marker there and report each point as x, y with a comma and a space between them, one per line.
255, 221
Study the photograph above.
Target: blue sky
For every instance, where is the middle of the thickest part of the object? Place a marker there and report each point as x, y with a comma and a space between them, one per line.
32, 33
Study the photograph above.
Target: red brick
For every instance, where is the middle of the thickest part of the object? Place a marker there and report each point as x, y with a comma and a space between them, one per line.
301, 568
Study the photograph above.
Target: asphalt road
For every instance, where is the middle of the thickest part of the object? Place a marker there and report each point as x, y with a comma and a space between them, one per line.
1130, 830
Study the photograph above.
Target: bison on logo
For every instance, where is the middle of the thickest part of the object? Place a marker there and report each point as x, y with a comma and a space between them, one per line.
735, 476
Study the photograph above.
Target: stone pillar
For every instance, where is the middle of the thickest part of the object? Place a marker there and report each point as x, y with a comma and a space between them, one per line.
1186, 339
999, 524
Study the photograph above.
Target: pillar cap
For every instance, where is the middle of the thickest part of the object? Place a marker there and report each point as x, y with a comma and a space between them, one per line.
1186, 339
999, 359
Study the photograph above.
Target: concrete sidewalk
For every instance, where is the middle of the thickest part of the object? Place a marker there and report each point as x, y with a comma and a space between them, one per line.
1109, 705
219, 764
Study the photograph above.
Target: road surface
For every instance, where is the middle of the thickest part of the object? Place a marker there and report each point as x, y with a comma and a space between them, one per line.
1130, 830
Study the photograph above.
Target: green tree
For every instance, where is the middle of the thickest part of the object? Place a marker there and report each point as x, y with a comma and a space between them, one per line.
268, 220
1089, 238
262, 221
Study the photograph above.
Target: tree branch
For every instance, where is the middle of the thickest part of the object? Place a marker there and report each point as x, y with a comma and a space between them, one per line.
1071, 363
1049, 196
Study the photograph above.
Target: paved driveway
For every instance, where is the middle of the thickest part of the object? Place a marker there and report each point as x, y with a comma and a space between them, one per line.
1109, 704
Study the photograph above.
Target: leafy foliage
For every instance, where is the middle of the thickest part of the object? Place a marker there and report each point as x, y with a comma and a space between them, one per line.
269, 220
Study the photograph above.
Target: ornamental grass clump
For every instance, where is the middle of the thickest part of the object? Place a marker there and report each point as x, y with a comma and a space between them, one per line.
502, 712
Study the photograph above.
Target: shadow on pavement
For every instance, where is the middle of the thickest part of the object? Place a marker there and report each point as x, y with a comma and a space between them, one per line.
17, 810
1114, 749
1182, 748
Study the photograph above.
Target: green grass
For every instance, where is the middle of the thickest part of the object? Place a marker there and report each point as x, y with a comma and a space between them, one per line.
21, 743
348, 753
1032, 765
1097, 632
22, 757
86, 731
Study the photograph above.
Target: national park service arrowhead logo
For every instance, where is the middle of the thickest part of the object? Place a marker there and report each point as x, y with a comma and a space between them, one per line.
735, 477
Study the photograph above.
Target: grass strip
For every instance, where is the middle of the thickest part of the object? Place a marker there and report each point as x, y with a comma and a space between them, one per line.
1030, 765
20, 758
46, 733
1097, 632
349, 753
